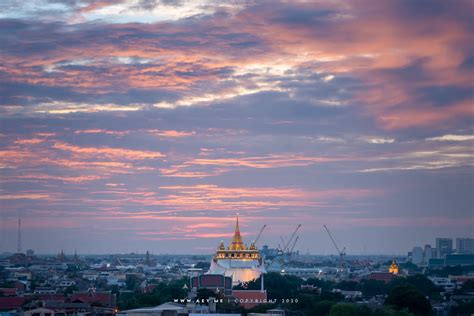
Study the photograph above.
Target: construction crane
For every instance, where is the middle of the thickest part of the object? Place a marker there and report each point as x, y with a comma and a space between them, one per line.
294, 244
282, 244
342, 253
259, 234
291, 238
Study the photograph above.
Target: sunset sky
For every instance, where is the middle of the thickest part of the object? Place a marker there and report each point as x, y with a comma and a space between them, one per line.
148, 125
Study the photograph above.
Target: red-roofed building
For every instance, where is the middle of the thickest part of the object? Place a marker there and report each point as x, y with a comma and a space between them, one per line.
9, 291
11, 303
46, 297
21, 286
460, 279
386, 277
105, 298
249, 298
216, 282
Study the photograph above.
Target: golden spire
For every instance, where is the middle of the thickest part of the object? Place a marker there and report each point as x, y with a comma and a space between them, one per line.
237, 243
393, 267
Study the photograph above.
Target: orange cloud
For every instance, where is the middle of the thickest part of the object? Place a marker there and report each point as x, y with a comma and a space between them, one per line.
221, 165
170, 133
111, 153
29, 141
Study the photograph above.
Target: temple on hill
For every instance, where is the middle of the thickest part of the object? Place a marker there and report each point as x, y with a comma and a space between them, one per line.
393, 268
237, 261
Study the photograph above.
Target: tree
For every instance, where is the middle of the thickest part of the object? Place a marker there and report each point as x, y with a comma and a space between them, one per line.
347, 285
386, 311
164, 292
278, 286
70, 290
132, 282
462, 309
409, 297
323, 284
467, 286
409, 266
344, 309
322, 308
419, 281
370, 288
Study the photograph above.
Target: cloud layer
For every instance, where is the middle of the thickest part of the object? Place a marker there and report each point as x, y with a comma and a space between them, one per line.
151, 124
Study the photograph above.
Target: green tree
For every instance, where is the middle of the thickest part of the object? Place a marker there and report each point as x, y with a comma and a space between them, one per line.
347, 285
70, 290
132, 282
345, 309
419, 281
370, 288
386, 311
467, 286
409, 297
322, 308
278, 286
324, 285
462, 309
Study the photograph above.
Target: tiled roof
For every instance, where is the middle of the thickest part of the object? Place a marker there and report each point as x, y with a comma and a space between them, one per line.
9, 303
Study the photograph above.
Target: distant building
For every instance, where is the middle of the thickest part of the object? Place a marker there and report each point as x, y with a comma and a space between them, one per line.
215, 282
444, 246
386, 277
436, 263
11, 303
417, 255
9, 291
428, 253
104, 298
460, 279
445, 283
249, 298
268, 252
44, 290
459, 259
39, 312
169, 308
349, 295
465, 245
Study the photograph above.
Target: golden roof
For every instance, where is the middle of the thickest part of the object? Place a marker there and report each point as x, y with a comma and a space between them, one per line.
237, 243
237, 249
393, 267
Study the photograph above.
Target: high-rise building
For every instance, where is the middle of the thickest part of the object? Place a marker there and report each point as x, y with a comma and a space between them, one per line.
428, 253
417, 255
444, 246
465, 245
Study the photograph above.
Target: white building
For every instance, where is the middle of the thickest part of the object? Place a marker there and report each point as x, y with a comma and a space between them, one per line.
39, 312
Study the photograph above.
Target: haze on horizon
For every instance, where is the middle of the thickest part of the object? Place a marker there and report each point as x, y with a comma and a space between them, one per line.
148, 125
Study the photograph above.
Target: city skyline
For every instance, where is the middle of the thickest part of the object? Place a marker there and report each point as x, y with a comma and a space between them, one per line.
146, 125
